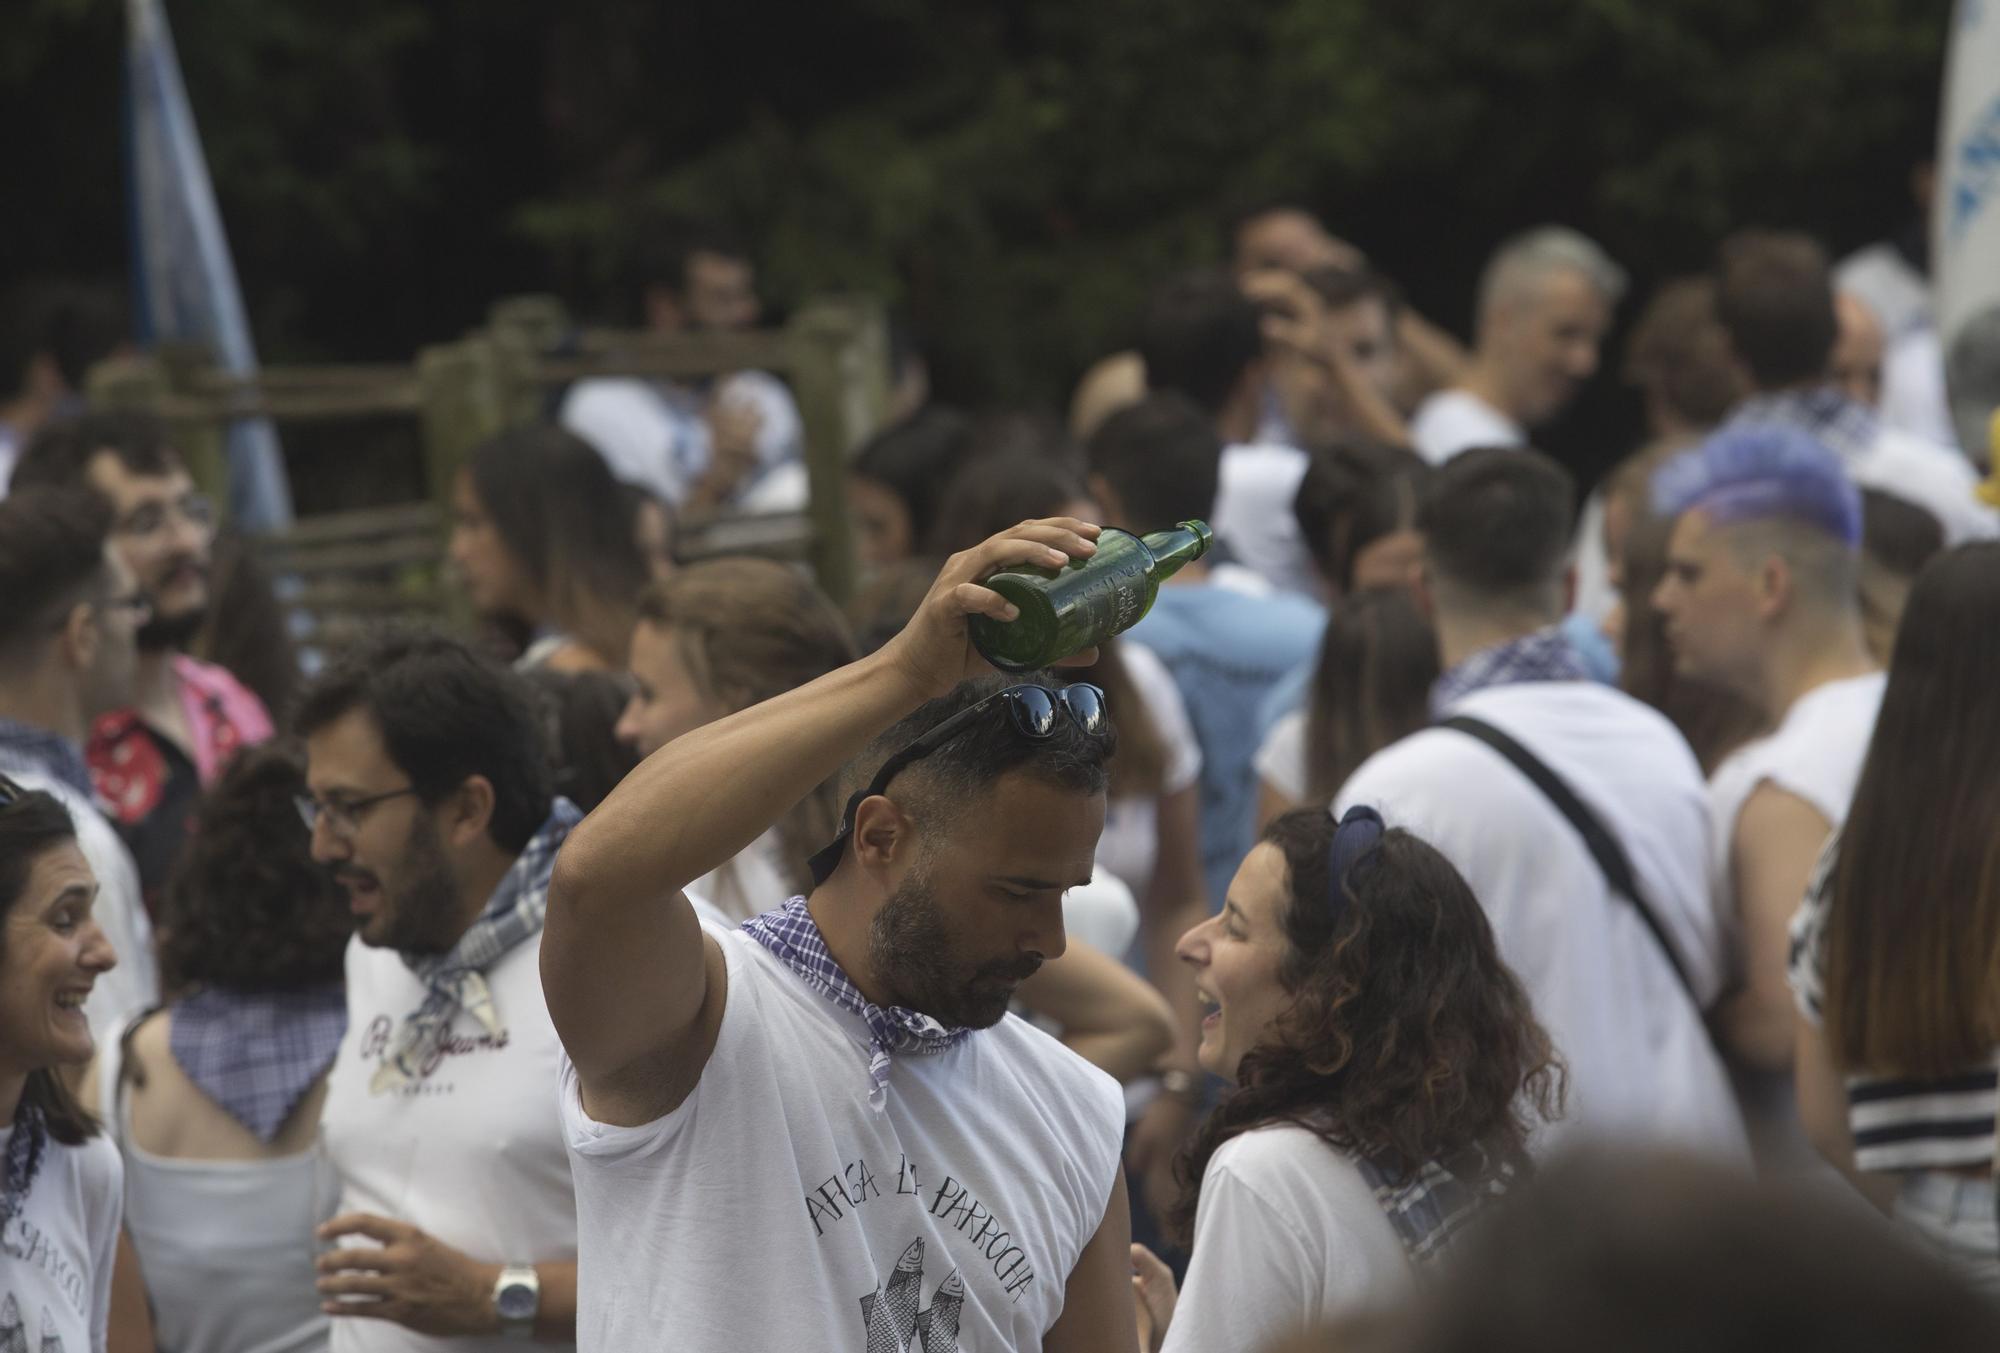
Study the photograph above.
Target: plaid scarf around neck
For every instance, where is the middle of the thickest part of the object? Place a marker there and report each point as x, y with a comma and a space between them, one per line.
1545, 655
456, 981
793, 936
25, 747
1846, 428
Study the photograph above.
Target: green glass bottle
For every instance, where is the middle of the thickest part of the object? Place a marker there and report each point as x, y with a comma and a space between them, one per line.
1067, 610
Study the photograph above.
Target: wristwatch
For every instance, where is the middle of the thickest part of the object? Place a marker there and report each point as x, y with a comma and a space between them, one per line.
517, 1299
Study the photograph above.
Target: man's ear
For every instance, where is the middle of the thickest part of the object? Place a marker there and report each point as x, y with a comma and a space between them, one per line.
884, 835
79, 637
469, 811
1775, 586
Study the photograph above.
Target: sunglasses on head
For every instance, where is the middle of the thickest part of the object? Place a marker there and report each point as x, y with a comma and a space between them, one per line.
1033, 710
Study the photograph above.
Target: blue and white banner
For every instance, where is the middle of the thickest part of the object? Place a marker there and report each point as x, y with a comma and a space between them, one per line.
183, 279
1966, 247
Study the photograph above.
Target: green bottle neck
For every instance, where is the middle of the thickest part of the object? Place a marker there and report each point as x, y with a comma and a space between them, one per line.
1182, 545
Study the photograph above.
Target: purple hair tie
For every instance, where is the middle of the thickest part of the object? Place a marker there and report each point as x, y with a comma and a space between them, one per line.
1357, 836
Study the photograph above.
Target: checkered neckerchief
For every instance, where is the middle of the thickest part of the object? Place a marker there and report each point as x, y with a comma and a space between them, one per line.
1429, 1209
791, 933
1545, 655
456, 981
256, 1053
1846, 428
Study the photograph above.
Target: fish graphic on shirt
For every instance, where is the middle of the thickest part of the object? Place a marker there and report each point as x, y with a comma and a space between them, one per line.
891, 1317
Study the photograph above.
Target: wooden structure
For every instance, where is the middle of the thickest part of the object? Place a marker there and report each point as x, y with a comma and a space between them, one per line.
346, 568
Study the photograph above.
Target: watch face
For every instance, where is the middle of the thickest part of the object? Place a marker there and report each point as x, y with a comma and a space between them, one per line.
516, 1301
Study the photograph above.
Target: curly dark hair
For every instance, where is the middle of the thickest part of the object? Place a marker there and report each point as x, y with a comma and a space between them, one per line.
1407, 1040
247, 909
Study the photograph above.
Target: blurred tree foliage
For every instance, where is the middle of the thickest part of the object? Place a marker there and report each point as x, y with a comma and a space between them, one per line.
1012, 175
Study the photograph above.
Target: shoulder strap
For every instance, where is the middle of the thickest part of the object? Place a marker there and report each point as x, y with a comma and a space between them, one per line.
1603, 846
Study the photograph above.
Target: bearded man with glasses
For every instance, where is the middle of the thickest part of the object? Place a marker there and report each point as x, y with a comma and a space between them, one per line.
151, 759
823, 1129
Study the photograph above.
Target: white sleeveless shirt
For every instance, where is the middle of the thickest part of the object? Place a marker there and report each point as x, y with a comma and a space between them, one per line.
775, 1209
472, 1153
225, 1246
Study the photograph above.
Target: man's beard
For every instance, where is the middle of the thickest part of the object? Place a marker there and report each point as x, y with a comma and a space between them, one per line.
911, 953
422, 914
164, 633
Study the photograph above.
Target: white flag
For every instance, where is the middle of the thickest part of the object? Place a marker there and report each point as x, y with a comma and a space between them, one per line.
1966, 249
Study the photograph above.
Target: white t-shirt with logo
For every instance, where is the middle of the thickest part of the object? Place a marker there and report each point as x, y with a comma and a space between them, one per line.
472, 1153
56, 1255
1642, 1068
1455, 420
776, 1209
1288, 1236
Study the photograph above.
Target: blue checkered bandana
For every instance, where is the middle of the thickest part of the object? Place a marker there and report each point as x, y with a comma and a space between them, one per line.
456, 981
256, 1053
791, 933
1430, 1208
1545, 655
1847, 429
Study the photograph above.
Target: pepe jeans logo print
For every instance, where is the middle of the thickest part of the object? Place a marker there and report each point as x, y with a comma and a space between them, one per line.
379, 1034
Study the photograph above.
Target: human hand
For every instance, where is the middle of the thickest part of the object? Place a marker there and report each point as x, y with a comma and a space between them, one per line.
934, 651
1153, 1297
1157, 1135
1293, 315
733, 425
413, 1279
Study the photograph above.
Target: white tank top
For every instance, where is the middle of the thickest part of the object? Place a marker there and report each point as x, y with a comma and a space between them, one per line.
472, 1153
775, 1209
226, 1246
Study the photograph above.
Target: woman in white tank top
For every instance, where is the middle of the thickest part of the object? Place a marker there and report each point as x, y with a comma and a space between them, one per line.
1383, 1059
214, 1099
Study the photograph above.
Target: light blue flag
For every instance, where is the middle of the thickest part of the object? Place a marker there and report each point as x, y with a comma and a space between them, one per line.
1966, 225
184, 279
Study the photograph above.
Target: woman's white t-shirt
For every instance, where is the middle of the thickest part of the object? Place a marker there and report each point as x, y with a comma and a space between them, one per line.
1287, 1237
57, 1253
1130, 844
777, 1209
472, 1154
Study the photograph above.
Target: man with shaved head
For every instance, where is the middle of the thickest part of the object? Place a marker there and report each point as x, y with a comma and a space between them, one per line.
1545, 302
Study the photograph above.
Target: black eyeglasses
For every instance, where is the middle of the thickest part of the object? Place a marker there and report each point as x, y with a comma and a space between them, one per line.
343, 817
1033, 710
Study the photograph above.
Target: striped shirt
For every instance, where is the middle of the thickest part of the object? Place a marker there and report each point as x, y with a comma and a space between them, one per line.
1898, 1122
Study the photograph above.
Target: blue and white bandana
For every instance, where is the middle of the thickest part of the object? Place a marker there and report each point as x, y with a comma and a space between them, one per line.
1845, 428
455, 981
791, 933
1430, 1208
1545, 655
256, 1053
24, 747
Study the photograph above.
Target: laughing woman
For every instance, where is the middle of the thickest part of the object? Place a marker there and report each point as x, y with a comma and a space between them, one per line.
1386, 1068
61, 1185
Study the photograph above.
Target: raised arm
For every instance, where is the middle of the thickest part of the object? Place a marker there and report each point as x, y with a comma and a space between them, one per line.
634, 987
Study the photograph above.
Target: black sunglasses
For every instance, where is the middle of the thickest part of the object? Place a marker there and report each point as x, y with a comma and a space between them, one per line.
1033, 711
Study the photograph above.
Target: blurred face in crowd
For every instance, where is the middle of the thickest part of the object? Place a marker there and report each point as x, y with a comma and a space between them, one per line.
492, 577
117, 619
721, 291
1318, 412
883, 532
1236, 955
164, 530
381, 842
1857, 352
1291, 239
666, 700
1545, 338
51, 955
1713, 606
974, 911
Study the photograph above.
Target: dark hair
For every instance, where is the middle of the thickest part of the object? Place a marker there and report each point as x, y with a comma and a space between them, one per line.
580, 711
750, 630
1161, 457
445, 713
1339, 287
1663, 1254
1371, 684
247, 629
247, 909
1897, 539
1913, 927
884, 604
1774, 296
1714, 719
1198, 335
962, 772
1352, 495
1496, 523
667, 246
1679, 354
560, 513
60, 452
32, 825
916, 459
72, 323
1407, 1039
51, 559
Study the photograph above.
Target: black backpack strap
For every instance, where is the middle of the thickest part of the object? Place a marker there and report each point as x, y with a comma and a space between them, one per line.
1603, 846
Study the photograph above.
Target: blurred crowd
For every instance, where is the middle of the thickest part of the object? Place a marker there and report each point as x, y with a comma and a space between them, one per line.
1464, 911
